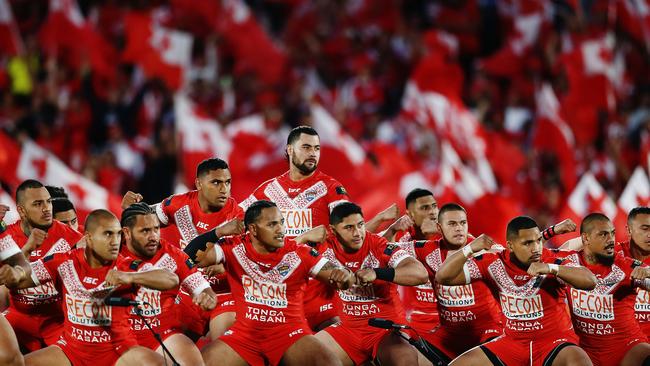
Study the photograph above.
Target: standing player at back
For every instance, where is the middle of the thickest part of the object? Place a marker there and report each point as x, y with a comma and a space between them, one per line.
193, 213
305, 196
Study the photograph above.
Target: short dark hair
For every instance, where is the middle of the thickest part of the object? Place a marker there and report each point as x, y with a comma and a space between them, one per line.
57, 192
254, 211
209, 165
60, 204
130, 214
448, 207
294, 135
25, 185
343, 210
641, 210
415, 194
519, 223
585, 225
93, 218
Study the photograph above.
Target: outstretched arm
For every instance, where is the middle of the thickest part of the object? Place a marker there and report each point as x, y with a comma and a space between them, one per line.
452, 273
340, 277
156, 279
576, 276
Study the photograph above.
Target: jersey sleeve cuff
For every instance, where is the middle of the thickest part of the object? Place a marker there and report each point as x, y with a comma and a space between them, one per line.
8, 248
318, 266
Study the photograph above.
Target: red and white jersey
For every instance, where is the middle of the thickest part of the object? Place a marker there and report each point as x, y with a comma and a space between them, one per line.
605, 315
380, 299
184, 212
465, 308
642, 303
532, 307
304, 204
268, 289
160, 311
409, 235
422, 298
88, 323
43, 299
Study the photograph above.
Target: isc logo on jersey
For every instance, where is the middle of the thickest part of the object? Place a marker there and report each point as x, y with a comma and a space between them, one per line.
88, 312
150, 300
455, 296
642, 301
591, 305
297, 221
521, 308
264, 293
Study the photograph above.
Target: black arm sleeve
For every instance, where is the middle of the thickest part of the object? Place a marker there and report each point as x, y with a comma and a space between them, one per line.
200, 243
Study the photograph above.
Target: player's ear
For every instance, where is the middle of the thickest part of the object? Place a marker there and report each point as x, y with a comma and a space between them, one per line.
197, 184
21, 211
509, 244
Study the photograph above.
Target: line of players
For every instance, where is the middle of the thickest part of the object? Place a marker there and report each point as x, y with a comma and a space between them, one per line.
481, 289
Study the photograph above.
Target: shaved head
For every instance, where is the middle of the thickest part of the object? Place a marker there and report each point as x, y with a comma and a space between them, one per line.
587, 223
93, 219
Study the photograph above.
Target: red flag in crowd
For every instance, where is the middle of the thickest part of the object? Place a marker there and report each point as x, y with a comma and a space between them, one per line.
10, 41
161, 52
67, 35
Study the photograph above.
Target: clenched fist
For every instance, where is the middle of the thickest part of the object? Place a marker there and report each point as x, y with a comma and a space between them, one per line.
130, 198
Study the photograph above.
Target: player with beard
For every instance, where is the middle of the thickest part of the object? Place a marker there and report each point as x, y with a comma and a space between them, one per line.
305, 196
35, 313
378, 267
604, 317
94, 333
141, 233
267, 272
530, 285
198, 212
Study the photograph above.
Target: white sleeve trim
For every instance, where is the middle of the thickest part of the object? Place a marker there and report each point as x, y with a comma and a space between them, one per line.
161, 214
468, 276
318, 266
195, 284
220, 255
398, 257
247, 202
8, 247
40, 274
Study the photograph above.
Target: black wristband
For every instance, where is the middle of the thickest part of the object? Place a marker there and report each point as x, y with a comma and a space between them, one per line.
211, 236
385, 274
200, 243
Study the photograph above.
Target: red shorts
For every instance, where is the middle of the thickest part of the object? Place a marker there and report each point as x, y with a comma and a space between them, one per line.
147, 339
424, 322
32, 330
225, 304
264, 346
319, 309
453, 344
360, 343
612, 353
519, 351
82, 355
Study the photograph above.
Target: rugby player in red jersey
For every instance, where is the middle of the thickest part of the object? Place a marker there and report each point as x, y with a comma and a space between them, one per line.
12, 260
141, 233
378, 267
94, 333
638, 247
604, 317
531, 290
267, 272
305, 197
194, 213
420, 223
35, 313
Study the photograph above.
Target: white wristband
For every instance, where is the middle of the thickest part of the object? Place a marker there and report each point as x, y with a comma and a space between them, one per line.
467, 251
553, 268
